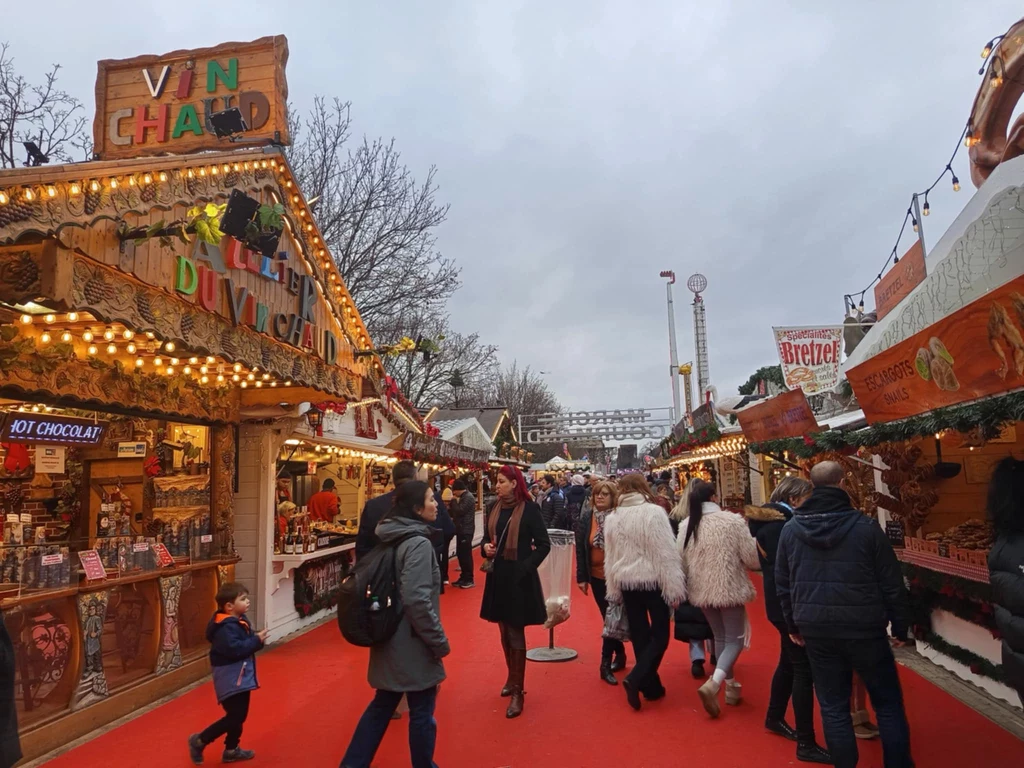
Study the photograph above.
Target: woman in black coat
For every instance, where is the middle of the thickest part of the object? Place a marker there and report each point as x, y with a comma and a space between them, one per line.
590, 570
1006, 565
792, 679
516, 543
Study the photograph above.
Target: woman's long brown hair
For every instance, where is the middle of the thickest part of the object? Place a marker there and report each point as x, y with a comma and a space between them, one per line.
634, 482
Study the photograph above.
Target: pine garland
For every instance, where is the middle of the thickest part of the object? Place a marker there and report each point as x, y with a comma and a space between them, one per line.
772, 374
988, 416
979, 665
965, 599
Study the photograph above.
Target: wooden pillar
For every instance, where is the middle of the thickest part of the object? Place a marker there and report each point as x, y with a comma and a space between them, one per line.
222, 484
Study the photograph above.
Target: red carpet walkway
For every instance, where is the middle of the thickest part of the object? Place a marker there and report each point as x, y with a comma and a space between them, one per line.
314, 689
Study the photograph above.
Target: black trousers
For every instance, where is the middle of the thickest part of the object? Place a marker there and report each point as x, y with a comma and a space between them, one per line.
443, 558
792, 679
464, 552
236, 709
648, 617
608, 646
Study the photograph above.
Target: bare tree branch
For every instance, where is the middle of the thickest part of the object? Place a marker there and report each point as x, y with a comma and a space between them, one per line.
45, 114
376, 218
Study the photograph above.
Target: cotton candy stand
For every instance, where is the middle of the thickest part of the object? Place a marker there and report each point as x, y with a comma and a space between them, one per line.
556, 580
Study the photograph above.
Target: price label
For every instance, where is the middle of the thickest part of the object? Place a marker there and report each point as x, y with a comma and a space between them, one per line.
206, 538
26, 518
53, 559
163, 555
92, 564
13, 519
142, 546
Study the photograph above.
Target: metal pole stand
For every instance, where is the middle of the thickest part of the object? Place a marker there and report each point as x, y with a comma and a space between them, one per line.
551, 653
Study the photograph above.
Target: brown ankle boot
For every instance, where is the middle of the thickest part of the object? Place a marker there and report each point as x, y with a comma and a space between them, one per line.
517, 659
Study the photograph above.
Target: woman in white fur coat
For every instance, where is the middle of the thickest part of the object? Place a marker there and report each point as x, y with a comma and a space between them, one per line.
717, 550
643, 571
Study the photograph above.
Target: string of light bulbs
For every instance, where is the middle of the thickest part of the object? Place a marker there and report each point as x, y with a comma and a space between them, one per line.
967, 139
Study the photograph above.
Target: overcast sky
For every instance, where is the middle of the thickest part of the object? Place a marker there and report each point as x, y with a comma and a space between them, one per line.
584, 146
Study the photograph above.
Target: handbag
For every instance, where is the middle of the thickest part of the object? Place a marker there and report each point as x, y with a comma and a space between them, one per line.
616, 626
487, 566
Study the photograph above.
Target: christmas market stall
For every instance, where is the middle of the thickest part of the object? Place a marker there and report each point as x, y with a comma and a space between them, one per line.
154, 308
705, 445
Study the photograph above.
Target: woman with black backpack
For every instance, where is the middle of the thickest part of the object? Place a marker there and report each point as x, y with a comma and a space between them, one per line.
409, 661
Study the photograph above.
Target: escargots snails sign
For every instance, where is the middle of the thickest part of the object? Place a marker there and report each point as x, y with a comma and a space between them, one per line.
974, 352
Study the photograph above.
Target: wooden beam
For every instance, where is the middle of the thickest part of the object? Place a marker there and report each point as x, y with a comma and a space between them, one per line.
265, 396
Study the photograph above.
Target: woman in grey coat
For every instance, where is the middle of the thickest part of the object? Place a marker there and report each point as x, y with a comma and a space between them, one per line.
410, 661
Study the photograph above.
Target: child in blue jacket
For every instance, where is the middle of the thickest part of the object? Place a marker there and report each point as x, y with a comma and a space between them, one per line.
232, 647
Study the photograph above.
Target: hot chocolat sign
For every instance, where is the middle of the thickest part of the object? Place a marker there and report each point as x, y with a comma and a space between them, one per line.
43, 428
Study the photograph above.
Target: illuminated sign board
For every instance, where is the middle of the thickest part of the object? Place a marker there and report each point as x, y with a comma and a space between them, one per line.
49, 429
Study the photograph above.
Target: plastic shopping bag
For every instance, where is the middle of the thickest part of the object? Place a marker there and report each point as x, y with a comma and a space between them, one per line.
615, 625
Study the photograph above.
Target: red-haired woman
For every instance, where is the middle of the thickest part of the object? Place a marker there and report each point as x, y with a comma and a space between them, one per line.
516, 542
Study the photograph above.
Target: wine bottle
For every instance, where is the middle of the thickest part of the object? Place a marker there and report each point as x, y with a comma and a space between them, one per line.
289, 543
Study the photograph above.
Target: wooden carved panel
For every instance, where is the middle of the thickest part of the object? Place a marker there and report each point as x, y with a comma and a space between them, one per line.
170, 649
223, 470
92, 686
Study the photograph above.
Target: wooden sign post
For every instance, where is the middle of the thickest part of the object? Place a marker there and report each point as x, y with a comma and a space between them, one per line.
152, 105
785, 415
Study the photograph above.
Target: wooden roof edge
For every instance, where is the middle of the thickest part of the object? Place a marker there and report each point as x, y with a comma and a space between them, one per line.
96, 168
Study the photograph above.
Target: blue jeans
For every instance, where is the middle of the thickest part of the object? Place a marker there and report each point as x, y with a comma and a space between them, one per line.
377, 717
833, 662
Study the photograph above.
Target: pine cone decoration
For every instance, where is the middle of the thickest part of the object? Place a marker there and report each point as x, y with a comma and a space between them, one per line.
145, 308
231, 179
148, 193
92, 201
16, 210
261, 174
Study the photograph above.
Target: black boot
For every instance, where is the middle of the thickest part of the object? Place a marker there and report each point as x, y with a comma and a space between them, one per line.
618, 660
812, 753
780, 728
606, 673
697, 670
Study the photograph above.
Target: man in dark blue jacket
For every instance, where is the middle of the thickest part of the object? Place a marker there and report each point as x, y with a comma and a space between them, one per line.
376, 510
840, 585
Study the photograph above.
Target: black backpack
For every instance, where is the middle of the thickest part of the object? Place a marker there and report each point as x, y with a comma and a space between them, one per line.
369, 604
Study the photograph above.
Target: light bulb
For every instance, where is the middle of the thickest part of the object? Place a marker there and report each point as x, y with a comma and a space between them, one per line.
74, 189
259, 384
273, 383
72, 317
92, 349
174, 361
51, 191
238, 367
288, 383
30, 195
914, 220
128, 335
131, 348
26, 319
131, 181
66, 336
193, 360
236, 377
220, 378
956, 184
158, 361
927, 209
245, 384
94, 186
163, 176
204, 380
87, 336
169, 346
138, 362
113, 183
210, 359
3, 198
45, 337
986, 51
111, 349
251, 377
147, 178
203, 369
202, 171
108, 334
266, 377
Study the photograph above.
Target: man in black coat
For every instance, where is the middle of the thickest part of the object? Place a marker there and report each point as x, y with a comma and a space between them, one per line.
464, 516
839, 585
376, 509
1006, 565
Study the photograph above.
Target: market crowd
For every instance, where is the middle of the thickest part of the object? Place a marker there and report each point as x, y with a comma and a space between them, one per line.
652, 554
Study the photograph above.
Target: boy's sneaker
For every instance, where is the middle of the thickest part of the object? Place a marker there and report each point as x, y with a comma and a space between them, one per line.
237, 755
195, 749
